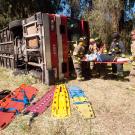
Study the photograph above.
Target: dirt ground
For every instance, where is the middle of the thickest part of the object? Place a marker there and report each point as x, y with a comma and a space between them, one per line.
112, 101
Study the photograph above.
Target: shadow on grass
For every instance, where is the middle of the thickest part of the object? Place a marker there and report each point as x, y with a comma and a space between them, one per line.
102, 75
110, 76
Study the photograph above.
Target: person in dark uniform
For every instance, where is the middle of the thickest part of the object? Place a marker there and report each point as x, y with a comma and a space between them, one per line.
117, 49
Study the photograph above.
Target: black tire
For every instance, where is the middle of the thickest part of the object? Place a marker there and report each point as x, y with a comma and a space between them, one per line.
15, 23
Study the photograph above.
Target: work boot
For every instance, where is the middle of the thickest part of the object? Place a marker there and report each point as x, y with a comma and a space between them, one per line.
80, 78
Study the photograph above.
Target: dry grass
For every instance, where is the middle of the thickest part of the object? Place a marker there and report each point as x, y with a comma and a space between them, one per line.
113, 103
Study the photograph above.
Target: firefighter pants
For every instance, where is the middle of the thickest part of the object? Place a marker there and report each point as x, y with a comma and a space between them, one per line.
78, 67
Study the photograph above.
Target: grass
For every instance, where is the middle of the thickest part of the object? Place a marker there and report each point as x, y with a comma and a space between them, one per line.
113, 104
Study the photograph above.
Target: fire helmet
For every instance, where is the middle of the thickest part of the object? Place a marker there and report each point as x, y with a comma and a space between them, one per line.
115, 35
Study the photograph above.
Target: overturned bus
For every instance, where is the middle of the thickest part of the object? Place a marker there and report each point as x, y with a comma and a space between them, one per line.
41, 44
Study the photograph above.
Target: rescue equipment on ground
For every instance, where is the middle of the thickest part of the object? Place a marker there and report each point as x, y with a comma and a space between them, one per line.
41, 105
14, 103
81, 102
61, 103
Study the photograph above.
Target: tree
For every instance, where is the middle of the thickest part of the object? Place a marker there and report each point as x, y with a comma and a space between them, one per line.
78, 6
107, 17
74, 7
129, 8
18, 9
104, 17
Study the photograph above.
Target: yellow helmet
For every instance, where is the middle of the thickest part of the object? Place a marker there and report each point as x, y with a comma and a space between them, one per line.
132, 58
104, 51
81, 43
92, 40
81, 39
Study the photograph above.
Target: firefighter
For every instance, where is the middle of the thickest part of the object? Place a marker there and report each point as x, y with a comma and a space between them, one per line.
92, 52
78, 54
101, 67
132, 72
100, 46
92, 46
117, 49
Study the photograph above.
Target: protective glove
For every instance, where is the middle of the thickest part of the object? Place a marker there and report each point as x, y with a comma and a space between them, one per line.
131, 58
110, 53
123, 55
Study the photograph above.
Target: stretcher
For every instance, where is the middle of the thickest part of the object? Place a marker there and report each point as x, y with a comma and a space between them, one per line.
111, 62
61, 103
81, 102
116, 61
14, 103
41, 105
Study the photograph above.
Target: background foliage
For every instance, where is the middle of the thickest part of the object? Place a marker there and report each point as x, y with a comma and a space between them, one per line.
104, 16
